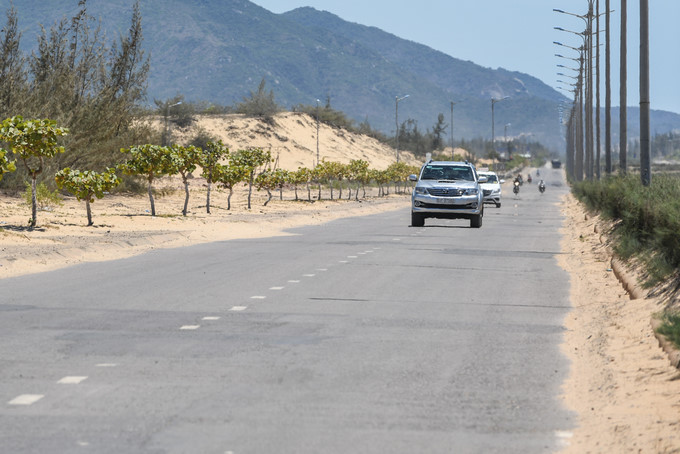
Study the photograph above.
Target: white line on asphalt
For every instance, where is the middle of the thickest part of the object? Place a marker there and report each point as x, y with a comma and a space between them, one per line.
294, 282
71, 380
276, 288
309, 275
211, 318
106, 365
351, 256
343, 261
258, 297
238, 308
368, 252
322, 269
189, 327
361, 253
396, 239
26, 399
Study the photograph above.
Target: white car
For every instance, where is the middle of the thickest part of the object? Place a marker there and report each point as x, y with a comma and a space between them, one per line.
492, 187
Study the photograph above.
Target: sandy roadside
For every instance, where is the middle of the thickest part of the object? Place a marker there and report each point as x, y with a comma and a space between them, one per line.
621, 383
123, 226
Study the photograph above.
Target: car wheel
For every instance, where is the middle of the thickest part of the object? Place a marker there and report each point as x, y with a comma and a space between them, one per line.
417, 220
498, 205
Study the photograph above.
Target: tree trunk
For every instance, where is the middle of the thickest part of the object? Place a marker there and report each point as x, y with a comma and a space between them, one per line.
269, 194
340, 190
89, 211
153, 205
250, 187
319, 198
330, 183
34, 201
281, 193
296, 194
231, 191
207, 200
186, 196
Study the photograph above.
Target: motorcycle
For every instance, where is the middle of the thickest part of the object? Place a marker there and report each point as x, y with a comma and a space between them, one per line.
541, 187
529, 178
515, 187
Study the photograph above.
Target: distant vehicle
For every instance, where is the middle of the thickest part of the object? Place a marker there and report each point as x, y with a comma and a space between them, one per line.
556, 163
447, 190
492, 188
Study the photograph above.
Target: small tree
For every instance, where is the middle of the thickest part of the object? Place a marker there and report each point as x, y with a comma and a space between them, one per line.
87, 185
184, 160
149, 161
210, 157
248, 161
267, 181
357, 171
228, 176
301, 176
260, 104
33, 141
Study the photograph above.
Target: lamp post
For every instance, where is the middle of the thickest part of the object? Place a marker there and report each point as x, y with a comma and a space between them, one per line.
453, 103
507, 144
396, 119
493, 128
317, 132
166, 142
623, 92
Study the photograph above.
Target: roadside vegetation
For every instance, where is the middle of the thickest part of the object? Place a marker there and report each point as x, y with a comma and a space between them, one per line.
646, 227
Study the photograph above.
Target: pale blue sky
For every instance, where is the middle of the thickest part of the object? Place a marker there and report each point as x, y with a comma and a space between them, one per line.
518, 35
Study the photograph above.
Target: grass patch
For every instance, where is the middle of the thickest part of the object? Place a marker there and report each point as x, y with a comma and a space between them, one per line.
670, 327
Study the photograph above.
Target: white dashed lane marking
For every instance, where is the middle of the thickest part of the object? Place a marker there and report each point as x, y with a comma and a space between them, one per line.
276, 288
106, 365
309, 275
343, 261
294, 282
189, 327
72, 380
258, 297
26, 399
351, 256
238, 308
211, 318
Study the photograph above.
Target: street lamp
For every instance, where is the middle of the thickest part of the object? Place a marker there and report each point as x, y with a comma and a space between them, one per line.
167, 127
493, 127
453, 103
396, 119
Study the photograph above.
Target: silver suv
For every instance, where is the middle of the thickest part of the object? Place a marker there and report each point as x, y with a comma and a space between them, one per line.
448, 190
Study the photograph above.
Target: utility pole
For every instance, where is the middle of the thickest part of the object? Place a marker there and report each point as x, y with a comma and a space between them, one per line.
623, 135
597, 94
645, 155
317, 133
396, 119
452, 154
607, 95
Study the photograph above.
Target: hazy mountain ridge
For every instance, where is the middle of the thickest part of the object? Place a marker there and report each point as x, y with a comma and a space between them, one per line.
219, 50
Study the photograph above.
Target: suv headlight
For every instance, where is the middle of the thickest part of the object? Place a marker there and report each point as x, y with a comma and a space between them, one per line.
473, 191
420, 190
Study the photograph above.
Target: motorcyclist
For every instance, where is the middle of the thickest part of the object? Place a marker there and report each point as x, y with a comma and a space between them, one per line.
541, 186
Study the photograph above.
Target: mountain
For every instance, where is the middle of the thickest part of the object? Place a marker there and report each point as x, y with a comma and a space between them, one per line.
219, 50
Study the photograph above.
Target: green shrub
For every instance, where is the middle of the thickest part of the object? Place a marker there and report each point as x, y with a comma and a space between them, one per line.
44, 196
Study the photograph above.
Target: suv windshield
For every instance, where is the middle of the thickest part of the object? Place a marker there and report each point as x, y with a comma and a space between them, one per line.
435, 172
491, 179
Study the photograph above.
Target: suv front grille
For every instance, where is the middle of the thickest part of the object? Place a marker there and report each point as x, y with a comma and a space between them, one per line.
487, 192
445, 192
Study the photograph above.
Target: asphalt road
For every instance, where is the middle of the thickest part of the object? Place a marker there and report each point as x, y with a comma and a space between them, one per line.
363, 335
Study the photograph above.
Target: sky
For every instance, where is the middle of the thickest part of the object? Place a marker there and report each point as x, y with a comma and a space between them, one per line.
518, 35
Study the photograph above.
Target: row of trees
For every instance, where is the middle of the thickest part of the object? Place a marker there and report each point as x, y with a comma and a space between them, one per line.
35, 141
